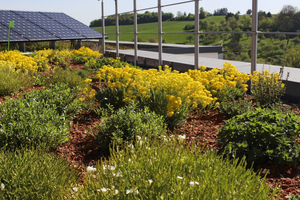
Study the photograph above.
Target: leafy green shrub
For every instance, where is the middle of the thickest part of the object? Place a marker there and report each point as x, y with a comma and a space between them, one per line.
262, 135
126, 123
111, 96
33, 174
157, 169
67, 76
40, 118
235, 107
11, 82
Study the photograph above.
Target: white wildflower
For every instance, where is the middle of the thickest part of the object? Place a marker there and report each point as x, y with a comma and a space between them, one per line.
117, 174
181, 137
129, 160
136, 192
192, 183
104, 189
2, 186
75, 189
138, 137
150, 181
179, 177
130, 146
129, 191
109, 167
116, 191
91, 169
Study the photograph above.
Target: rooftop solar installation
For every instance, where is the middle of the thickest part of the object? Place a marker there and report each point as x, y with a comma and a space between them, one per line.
13, 35
43, 26
73, 24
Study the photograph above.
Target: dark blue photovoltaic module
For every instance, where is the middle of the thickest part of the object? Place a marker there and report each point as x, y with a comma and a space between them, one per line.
43, 26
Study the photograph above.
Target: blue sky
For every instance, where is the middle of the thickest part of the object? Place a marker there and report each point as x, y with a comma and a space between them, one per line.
87, 10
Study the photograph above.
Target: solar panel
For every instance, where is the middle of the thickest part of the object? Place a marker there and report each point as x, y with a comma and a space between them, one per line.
50, 25
43, 26
13, 35
25, 28
75, 25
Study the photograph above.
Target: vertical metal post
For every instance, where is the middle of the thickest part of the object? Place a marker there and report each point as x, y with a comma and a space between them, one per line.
117, 29
135, 33
159, 34
196, 34
103, 28
254, 36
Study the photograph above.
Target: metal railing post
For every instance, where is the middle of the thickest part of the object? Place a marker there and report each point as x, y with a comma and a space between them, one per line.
196, 34
135, 34
103, 28
254, 36
117, 29
159, 34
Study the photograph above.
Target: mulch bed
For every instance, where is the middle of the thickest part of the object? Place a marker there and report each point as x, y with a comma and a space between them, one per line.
82, 151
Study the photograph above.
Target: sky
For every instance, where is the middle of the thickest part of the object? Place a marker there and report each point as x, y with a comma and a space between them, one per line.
86, 11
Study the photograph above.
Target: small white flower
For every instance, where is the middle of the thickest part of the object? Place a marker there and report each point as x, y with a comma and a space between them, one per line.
192, 183
104, 189
129, 160
116, 191
75, 189
90, 169
150, 181
129, 191
181, 137
136, 192
117, 174
2, 186
179, 177
130, 146
148, 148
109, 167
138, 137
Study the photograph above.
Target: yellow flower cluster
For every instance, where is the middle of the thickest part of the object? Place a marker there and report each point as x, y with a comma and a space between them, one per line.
21, 62
266, 77
216, 80
88, 91
87, 52
178, 88
7, 65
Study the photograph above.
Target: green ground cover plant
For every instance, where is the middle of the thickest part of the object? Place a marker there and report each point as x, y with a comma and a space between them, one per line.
11, 82
262, 135
34, 174
124, 124
38, 118
159, 169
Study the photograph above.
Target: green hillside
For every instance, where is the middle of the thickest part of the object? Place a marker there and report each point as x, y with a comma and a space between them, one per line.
168, 27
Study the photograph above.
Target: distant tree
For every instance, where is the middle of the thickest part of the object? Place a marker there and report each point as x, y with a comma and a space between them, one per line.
296, 41
249, 12
222, 11
203, 25
189, 26
184, 13
228, 15
237, 16
269, 14
179, 14
202, 13
190, 38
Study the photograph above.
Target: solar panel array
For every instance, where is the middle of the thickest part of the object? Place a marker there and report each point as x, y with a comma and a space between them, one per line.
43, 26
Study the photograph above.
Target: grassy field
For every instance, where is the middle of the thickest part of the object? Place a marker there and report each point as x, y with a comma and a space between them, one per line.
168, 27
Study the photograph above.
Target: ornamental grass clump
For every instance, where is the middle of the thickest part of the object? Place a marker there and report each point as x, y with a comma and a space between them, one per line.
166, 169
168, 93
34, 174
262, 136
267, 88
12, 81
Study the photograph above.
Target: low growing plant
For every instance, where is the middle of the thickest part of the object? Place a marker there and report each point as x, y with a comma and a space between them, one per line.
34, 174
235, 107
11, 81
159, 169
126, 123
267, 88
38, 119
262, 135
